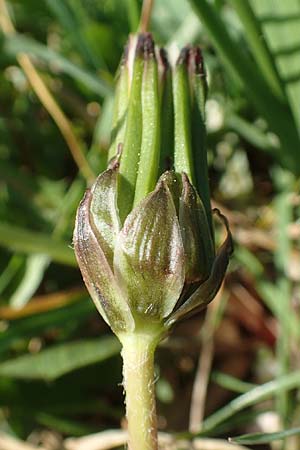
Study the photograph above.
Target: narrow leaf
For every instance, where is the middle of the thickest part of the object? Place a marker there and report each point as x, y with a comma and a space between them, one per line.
34, 272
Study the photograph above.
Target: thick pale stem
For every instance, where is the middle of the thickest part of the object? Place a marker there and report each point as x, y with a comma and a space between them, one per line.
138, 371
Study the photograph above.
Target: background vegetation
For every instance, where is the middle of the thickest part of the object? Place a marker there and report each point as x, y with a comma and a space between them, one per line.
60, 372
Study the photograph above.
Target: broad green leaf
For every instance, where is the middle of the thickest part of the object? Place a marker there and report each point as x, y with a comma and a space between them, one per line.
63, 425
264, 438
42, 322
59, 360
25, 241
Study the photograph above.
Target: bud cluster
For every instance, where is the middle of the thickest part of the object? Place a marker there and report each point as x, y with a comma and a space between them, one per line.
144, 236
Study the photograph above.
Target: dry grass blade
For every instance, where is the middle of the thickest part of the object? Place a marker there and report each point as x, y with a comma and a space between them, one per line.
115, 438
9, 443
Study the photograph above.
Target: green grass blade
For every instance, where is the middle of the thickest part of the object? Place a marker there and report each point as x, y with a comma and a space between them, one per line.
25, 241
54, 362
252, 134
34, 272
258, 45
252, 397
231, 383
18, 43
244, 71
67, 15
264, 438
14, 265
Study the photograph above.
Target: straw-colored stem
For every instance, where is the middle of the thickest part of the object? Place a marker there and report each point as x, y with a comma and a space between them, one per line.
146, 15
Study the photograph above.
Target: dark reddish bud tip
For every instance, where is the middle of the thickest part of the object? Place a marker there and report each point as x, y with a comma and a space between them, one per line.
148, 46
196, 61
163, 56
139, 51
184, 56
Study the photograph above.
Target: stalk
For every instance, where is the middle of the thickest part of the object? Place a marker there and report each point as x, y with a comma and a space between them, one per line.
138, 372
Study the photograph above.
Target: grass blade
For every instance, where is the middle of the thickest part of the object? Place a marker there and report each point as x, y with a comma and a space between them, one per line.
34, 272
252, 397
21, 44
245, 73
258, 45
67, 17
264, 438
281, 26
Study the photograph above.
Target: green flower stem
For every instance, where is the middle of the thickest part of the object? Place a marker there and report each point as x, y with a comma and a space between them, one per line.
138, 371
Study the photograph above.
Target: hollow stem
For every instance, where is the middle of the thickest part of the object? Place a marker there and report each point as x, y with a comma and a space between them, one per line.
138, 372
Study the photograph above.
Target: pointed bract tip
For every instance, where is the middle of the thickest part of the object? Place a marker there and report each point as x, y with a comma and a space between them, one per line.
229, 240
163, 57
184, 56
197, 62
149, 47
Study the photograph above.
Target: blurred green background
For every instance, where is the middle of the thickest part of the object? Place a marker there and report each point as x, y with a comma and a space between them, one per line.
60, 371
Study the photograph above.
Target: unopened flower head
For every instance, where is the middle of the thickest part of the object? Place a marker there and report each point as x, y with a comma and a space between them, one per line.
144, 236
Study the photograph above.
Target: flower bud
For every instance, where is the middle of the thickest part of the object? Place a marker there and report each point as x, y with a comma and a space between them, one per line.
145, 246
